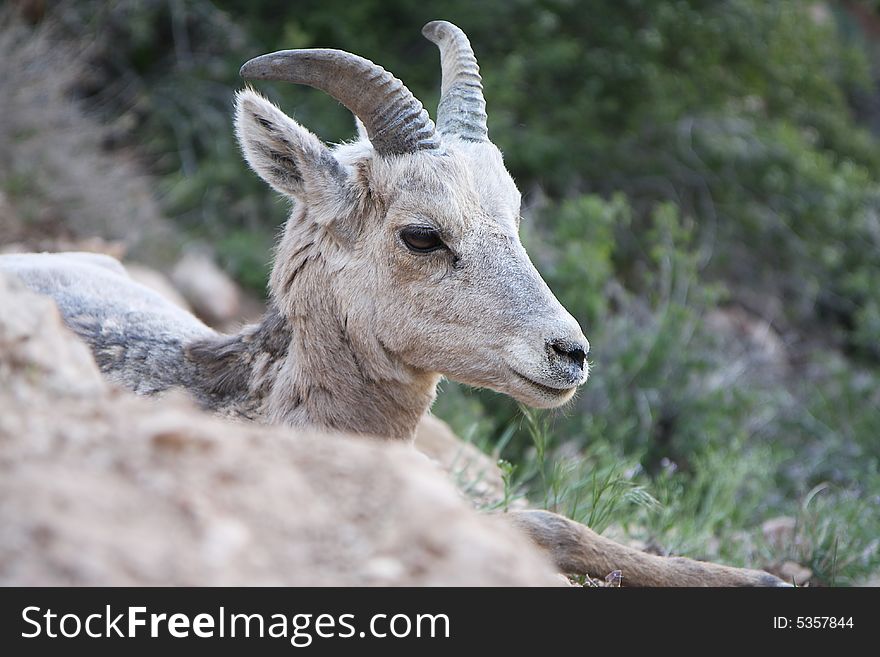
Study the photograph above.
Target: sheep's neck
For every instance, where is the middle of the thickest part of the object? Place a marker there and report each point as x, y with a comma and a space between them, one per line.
305, 370
303, 364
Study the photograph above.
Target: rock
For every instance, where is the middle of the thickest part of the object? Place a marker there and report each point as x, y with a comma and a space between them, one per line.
36, 352
10, 222
211, 293
157, 282
753, 339
100, 487
821, 14
791, 571
779, 532
475, 473
872, 581
58, 244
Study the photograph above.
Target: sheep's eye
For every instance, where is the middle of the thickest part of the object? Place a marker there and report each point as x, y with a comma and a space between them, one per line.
421, 239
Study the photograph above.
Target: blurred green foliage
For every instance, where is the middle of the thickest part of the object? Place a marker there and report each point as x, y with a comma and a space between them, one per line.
678, 158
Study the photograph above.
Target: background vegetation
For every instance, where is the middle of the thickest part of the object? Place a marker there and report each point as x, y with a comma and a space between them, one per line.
702, 185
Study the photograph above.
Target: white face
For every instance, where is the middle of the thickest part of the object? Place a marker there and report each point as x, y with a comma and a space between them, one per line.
433, 264
463, 299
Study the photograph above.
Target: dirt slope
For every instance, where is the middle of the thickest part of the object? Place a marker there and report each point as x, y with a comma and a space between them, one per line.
98, 487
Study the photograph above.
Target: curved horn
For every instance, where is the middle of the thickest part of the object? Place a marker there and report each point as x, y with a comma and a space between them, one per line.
395, 120
462, 109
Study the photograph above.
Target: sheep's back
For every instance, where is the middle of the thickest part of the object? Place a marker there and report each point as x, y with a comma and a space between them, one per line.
135, 334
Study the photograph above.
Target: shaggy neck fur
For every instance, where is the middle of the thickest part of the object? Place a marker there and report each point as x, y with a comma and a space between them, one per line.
308, 363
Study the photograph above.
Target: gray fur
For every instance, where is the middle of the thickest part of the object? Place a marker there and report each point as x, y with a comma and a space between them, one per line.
136, 335
360, 328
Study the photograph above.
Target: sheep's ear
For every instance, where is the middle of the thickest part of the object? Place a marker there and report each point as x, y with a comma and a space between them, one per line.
282, 152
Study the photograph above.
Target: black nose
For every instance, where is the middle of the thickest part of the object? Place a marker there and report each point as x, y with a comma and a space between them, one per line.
573, 351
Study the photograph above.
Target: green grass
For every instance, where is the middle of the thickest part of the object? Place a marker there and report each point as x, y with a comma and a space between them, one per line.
593, 487
714, 510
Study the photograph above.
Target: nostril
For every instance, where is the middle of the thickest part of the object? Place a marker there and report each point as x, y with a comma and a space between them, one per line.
578, 356
571, 351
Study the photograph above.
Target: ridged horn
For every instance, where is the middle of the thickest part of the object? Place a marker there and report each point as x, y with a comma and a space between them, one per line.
395, 120
462, 109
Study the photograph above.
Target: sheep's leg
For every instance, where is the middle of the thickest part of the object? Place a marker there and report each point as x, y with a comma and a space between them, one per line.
576, 549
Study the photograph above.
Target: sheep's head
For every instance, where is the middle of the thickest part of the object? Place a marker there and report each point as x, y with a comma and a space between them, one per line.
419, 226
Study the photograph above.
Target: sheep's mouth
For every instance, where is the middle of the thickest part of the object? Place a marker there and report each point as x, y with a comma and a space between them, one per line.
550, 391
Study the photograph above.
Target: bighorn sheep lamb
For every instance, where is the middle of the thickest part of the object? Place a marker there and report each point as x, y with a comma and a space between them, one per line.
400, 263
